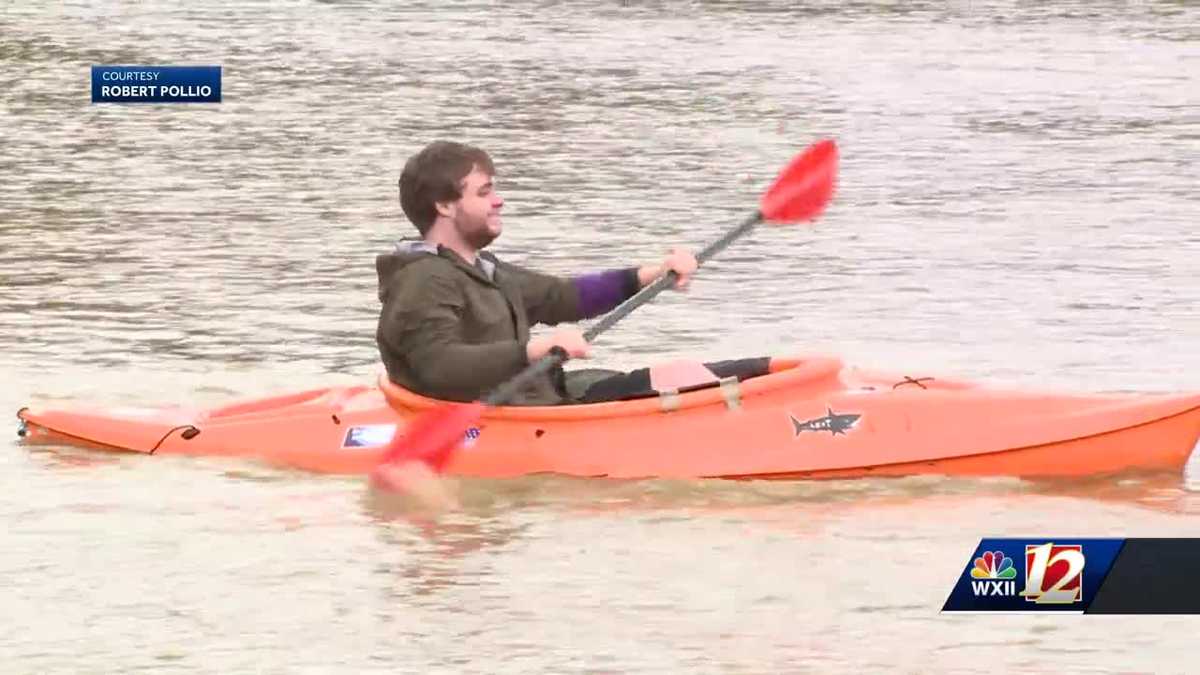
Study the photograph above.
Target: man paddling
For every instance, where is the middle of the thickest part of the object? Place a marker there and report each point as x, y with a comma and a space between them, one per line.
416, 458
455, 320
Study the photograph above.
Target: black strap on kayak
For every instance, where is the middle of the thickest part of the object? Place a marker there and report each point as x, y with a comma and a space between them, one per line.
731, 391
916, 381
189, 432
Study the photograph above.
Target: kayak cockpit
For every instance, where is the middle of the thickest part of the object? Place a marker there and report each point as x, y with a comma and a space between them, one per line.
780, 377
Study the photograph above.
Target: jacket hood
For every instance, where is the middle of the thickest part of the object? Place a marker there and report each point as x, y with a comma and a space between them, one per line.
407, 251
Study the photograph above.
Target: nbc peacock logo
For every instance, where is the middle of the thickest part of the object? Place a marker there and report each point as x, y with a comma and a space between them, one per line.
993, 574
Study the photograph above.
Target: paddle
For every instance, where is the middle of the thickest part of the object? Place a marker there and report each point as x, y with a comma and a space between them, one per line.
800, 192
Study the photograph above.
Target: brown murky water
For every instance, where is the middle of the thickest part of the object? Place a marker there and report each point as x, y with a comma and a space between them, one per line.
1018, 203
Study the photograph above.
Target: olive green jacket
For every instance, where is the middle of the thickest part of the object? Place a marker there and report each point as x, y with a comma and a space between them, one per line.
454, 331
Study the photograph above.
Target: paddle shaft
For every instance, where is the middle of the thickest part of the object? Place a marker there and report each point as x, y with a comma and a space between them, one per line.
557, 356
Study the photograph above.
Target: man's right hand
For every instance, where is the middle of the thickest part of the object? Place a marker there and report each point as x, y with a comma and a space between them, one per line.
570, 339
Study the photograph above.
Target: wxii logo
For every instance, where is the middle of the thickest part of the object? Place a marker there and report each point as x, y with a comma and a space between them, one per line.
1053, 574
993, 574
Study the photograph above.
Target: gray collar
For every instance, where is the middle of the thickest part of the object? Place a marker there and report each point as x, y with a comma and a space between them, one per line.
408, 246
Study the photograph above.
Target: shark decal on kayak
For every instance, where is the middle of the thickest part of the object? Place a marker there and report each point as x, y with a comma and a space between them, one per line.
834, 423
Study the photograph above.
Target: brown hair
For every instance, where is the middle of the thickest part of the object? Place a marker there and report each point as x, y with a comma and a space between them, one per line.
435, 175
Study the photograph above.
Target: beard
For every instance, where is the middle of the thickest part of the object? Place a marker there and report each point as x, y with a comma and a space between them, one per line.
477, 235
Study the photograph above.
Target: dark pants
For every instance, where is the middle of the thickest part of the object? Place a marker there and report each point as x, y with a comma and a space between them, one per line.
596, 385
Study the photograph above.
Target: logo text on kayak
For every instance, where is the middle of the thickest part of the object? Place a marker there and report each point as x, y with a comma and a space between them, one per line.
374, 435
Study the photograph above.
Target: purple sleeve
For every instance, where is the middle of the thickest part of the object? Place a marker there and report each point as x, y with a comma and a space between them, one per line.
601, 291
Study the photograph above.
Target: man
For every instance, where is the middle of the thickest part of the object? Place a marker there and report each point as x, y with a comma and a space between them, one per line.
455, 320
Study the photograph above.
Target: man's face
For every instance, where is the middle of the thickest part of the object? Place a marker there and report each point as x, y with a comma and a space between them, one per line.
476, 215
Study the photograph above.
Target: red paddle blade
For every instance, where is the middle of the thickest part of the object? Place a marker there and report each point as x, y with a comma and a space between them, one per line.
433, 437
804, 188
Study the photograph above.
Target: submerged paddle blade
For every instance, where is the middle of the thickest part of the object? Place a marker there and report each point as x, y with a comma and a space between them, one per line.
433, 437
804, 188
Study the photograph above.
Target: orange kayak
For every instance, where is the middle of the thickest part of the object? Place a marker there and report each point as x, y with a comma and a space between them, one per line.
807, 417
